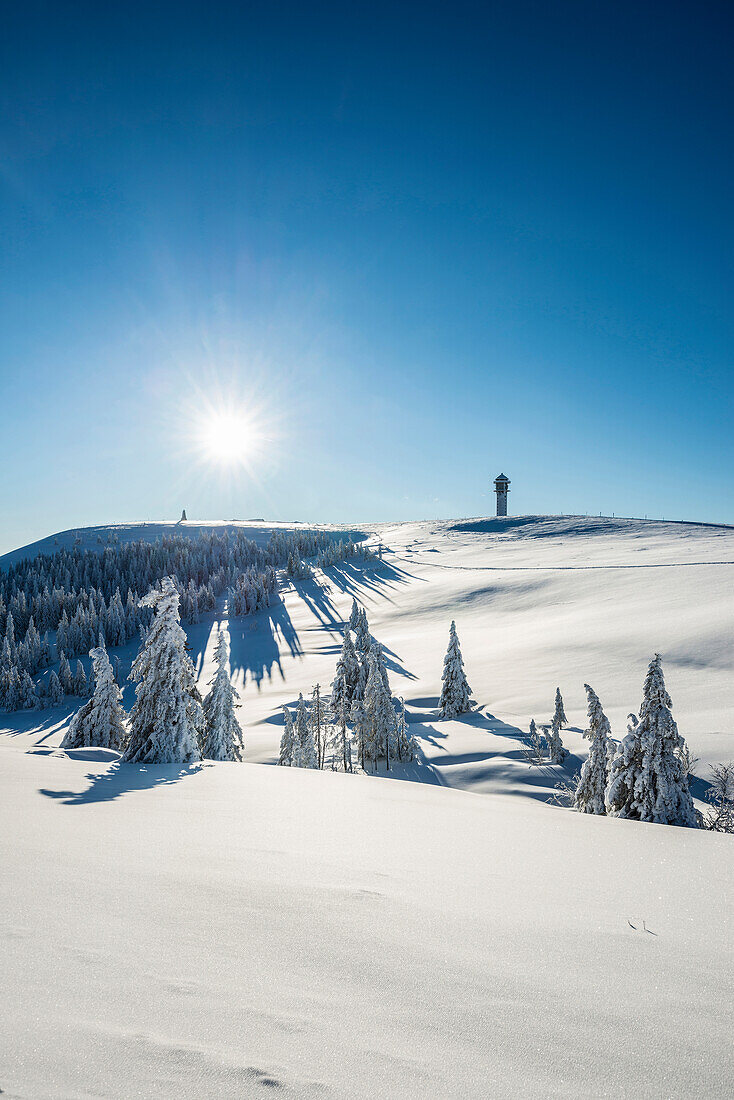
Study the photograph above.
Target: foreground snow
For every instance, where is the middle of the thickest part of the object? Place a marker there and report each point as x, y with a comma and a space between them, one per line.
212, 932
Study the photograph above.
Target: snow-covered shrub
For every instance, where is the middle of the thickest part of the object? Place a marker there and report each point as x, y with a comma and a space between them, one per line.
720, 818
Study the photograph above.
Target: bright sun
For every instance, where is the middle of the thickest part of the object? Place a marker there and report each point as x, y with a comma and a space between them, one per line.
228, 438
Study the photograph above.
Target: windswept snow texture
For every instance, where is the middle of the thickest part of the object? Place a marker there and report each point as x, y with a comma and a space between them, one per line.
226, 930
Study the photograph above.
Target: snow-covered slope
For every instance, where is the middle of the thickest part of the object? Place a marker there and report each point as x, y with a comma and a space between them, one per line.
213, 932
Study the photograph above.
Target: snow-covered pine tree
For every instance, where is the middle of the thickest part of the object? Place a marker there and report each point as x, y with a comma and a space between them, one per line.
559, 716
354, 615
648, 777
222, 733
592, 784
101, 720
286, 741
166, 718
455, 692
304, 750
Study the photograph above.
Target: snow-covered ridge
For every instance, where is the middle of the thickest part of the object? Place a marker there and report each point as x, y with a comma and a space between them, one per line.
96, 538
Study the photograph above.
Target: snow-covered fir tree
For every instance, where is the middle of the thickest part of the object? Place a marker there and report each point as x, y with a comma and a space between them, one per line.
28, 695
80, 681
55, 692
556, 752
347, 677
101, 721
286, 742
379, 655
404, 741
341, 742
536, 743
360, 728
455, 692
166, 719
362, 639
354, 615
364, 672
222, 738
648, 777
380, 731
65, 677
317, 723
12, 688
592, 784
559, 715
304, 750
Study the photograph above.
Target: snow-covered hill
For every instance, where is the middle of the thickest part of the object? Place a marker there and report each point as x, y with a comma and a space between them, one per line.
234, 928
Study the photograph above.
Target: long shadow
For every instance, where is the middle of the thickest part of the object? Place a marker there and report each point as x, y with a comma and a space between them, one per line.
121, 779
355, 582
255, 643
316, 597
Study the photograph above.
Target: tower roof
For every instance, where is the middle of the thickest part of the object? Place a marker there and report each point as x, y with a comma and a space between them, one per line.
501, 477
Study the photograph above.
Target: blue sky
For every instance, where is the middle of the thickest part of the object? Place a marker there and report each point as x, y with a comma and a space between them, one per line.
418, 244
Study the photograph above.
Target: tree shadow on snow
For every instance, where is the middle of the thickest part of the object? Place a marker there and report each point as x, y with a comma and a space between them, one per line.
505, 766
44, 723
121, 779
378, 580
255, 643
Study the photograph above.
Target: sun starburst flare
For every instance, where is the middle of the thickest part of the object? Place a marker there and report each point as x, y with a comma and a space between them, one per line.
228, 438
